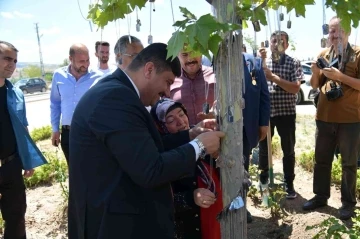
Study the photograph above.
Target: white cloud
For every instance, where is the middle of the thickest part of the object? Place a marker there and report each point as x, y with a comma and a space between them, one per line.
23, 15
50, 31
6, 14
14, 14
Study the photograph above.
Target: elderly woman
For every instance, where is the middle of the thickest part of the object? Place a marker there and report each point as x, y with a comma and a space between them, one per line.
197, 199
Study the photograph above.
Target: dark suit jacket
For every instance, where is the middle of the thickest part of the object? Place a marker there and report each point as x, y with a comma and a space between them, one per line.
257, 101
119, 173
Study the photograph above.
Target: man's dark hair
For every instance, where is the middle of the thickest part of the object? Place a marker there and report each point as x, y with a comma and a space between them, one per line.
282, 33
11, 46
102, 43
156, 53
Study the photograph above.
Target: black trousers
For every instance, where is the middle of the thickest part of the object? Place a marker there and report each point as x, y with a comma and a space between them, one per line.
246, 151
285, 126
347, 137
65, 138
13, 199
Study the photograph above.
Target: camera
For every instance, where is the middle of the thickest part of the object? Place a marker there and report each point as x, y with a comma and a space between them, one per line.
335, 92
322, 63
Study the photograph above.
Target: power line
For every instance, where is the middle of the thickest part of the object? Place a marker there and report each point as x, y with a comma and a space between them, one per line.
81, 11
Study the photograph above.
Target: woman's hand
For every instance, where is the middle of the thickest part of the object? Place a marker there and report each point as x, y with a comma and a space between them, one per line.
204, 197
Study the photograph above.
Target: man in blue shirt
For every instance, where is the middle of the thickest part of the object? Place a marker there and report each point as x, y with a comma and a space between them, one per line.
17, 150
69, 84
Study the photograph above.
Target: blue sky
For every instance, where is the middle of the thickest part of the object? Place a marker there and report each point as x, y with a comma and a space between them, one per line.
61, 24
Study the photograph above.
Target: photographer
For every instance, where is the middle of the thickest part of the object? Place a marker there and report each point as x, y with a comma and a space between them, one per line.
283, 74
336, 74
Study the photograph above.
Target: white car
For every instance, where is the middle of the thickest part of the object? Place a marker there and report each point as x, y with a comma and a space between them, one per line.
306, 93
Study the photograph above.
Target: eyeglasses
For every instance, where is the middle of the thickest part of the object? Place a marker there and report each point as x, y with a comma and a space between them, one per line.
129, 55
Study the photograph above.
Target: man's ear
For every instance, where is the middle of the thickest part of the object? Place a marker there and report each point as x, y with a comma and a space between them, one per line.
118, 58
286, 45
70, 58
148, 69
96, 54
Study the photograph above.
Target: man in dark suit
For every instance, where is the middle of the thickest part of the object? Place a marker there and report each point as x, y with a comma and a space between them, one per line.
257, 105
257, 108
120, 171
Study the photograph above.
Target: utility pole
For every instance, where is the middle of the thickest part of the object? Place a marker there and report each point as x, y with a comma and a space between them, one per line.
40, 53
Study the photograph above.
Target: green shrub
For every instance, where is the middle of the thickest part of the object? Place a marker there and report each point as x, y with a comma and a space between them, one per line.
336, 171
42, 133
306, 160
54, 171
334, 228
275, 145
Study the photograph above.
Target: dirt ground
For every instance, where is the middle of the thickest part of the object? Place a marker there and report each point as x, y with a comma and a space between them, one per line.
46, 219
292, 226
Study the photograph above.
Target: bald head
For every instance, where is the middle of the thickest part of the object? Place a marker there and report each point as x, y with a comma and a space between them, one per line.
78, 48
80, 60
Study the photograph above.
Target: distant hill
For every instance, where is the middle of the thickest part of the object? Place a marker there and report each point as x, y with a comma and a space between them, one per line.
48, 67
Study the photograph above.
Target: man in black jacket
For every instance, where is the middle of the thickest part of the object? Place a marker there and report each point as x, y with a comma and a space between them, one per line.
120, 171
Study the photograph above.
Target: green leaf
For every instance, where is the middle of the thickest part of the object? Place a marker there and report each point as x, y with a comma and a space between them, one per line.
191, 34
175, 44
260, 15
181, 24
204, 27
139, 3
244, 25
214, 41
225, 27
187, 13
298, 5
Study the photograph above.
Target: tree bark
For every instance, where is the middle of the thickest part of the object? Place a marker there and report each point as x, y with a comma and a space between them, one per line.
229, 76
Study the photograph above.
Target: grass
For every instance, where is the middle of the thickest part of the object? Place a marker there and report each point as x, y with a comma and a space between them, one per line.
305, 150
54, 171
41, 133
304, 134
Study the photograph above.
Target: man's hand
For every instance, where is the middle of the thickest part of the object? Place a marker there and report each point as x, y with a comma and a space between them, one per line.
203, 116
211, 141
314, 68
204, 197
28, 173
269, 75
206, 125
262, 132
262, 53
55, 138
332, 73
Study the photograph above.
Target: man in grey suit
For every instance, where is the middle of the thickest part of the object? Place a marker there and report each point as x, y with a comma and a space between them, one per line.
121, 168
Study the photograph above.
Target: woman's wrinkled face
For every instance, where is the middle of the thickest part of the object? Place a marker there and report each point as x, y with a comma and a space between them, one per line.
176, 120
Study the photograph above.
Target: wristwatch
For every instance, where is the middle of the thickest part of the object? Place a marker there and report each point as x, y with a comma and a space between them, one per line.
201, 147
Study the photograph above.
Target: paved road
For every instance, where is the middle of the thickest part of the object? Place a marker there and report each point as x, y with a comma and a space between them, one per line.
38, 109
306, 108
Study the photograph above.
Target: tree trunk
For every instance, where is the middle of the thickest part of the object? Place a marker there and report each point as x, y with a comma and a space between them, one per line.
229, 75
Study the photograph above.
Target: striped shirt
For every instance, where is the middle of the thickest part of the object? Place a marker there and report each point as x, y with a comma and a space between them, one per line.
283, 102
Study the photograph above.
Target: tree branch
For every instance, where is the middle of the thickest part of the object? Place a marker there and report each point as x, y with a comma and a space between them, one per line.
262, 5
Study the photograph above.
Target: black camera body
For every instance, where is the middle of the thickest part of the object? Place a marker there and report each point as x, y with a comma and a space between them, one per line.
335, 92
322, 63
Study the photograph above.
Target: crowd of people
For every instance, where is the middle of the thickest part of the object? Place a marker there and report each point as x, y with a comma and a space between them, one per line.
141, 140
